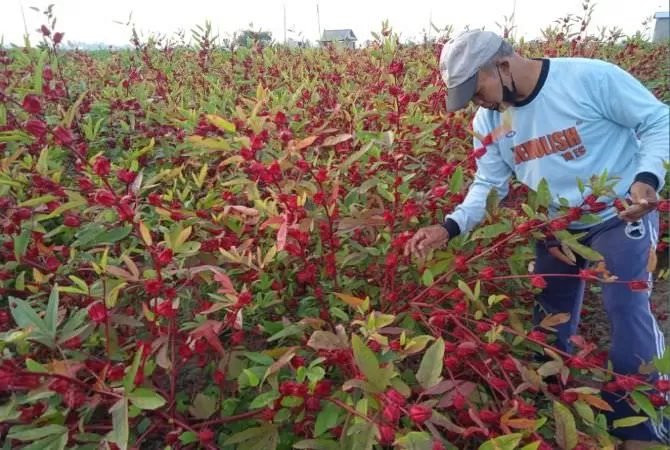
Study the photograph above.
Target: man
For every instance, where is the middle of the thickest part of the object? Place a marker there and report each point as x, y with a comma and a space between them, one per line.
571, 118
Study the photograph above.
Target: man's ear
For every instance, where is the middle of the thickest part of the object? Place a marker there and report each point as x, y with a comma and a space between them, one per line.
504, 66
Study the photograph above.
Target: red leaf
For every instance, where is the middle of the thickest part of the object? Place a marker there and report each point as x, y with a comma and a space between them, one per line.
276, 220
281, 236
210, 330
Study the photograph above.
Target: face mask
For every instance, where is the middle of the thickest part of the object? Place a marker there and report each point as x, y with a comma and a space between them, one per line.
509, 96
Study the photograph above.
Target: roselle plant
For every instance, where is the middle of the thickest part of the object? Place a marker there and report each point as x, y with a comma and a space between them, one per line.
203, 249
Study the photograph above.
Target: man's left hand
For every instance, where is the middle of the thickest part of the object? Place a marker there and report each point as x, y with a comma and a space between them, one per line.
644, 201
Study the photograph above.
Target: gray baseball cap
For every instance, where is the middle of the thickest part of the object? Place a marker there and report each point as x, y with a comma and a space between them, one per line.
460, 61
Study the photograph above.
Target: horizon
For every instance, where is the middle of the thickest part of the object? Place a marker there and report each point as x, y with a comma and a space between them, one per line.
151, 17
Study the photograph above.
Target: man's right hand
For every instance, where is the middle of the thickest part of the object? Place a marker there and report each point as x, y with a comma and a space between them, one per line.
426, 239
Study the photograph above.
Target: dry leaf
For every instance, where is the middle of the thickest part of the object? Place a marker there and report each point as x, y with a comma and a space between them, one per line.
334, 140
325, 340
555, 319
281, 362
596, 402
349, 299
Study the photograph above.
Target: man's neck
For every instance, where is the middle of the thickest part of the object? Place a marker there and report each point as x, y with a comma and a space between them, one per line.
527, 77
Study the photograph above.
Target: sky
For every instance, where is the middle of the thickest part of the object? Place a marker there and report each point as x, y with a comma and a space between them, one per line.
92, 21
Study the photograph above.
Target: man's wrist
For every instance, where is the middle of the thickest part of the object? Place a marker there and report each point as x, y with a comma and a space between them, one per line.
452, 228
647, 178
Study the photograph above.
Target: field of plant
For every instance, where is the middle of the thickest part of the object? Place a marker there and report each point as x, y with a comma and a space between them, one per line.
203, 248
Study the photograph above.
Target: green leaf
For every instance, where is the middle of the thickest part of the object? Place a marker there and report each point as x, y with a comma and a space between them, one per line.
463, 286
30, 433
129, 379
415, 440
532, 446
645, 404
317, 444
543, 195
355, 156
430, 369
629, 421
364, 436
492, 231
327, 419
203, 406
584, 251
584, 411
120, 430
34, 366
37, 201
51, 318
249, 433
145, 398
528, 210
111, 236
506, 442
566, 430
188, 437
21, 243
663, 363
285, 332
55, 442
427, 277
25, 316
264, 399
367, 362
456, 180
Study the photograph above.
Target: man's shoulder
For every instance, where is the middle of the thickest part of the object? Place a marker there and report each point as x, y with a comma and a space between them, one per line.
579, 66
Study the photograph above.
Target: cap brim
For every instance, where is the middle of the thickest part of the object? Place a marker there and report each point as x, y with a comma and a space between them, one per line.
459, 96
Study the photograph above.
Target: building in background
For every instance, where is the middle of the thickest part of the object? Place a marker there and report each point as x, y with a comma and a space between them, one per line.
662, 26
346, 38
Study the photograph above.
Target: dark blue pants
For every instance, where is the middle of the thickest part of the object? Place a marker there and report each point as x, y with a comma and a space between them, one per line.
635, 336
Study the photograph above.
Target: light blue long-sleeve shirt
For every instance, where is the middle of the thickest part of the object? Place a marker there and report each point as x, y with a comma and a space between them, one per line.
584, 117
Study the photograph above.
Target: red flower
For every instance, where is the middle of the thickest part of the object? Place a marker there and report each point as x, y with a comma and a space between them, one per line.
153, 287
165, 309
386, 435
164, 257
71, 221
663, 385
395, 397
538, 336
102, 166
664, 206
391, 413
32, 104
36, 127
97, 312
538, 282
205, 436
105, 198
126, 176
244, 298
85, 184
63, 136
45, 30
58, 37
500, 317
466, 349
487, 273
569, 397
155, 199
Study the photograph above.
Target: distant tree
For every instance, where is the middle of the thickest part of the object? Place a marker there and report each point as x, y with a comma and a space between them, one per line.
249, 37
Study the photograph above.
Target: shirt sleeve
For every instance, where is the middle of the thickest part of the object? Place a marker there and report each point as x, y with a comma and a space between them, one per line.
492, 173
623, 99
